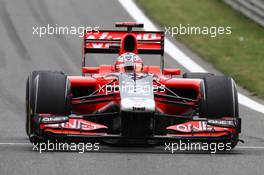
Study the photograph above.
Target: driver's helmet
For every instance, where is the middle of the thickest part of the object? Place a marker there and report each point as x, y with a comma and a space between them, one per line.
129, 62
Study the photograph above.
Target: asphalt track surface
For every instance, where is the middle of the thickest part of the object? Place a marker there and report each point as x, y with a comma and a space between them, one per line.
22, 52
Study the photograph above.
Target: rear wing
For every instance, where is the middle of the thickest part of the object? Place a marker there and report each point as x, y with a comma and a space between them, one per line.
111, 41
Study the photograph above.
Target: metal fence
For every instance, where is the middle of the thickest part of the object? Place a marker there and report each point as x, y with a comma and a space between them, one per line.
254, 9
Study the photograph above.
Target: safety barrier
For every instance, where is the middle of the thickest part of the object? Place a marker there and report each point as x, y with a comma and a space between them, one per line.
254, 9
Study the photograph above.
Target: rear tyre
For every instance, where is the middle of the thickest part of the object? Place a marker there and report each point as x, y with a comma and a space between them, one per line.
197, 75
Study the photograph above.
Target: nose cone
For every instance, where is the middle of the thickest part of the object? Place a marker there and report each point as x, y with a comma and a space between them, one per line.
138, 104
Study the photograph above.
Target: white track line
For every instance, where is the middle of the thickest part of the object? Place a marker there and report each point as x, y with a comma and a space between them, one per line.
249, 147
237, 147
177, 54
10, 143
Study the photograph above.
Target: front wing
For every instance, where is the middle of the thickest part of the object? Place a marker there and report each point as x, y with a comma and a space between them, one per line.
157, 127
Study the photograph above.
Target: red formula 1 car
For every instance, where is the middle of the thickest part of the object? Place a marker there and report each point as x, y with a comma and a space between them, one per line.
128, 102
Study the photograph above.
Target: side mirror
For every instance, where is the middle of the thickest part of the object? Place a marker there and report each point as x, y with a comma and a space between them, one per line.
171, 72
91, 70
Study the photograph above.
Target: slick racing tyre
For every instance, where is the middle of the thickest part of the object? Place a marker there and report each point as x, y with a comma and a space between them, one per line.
197, 75
219, 98
219, 95
46, 92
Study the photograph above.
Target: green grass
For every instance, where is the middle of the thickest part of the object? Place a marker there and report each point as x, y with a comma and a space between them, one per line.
240, 55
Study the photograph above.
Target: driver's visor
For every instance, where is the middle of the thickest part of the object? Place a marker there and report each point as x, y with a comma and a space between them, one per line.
137, 67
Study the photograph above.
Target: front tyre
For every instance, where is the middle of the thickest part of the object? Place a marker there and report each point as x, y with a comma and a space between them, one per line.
46, 92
